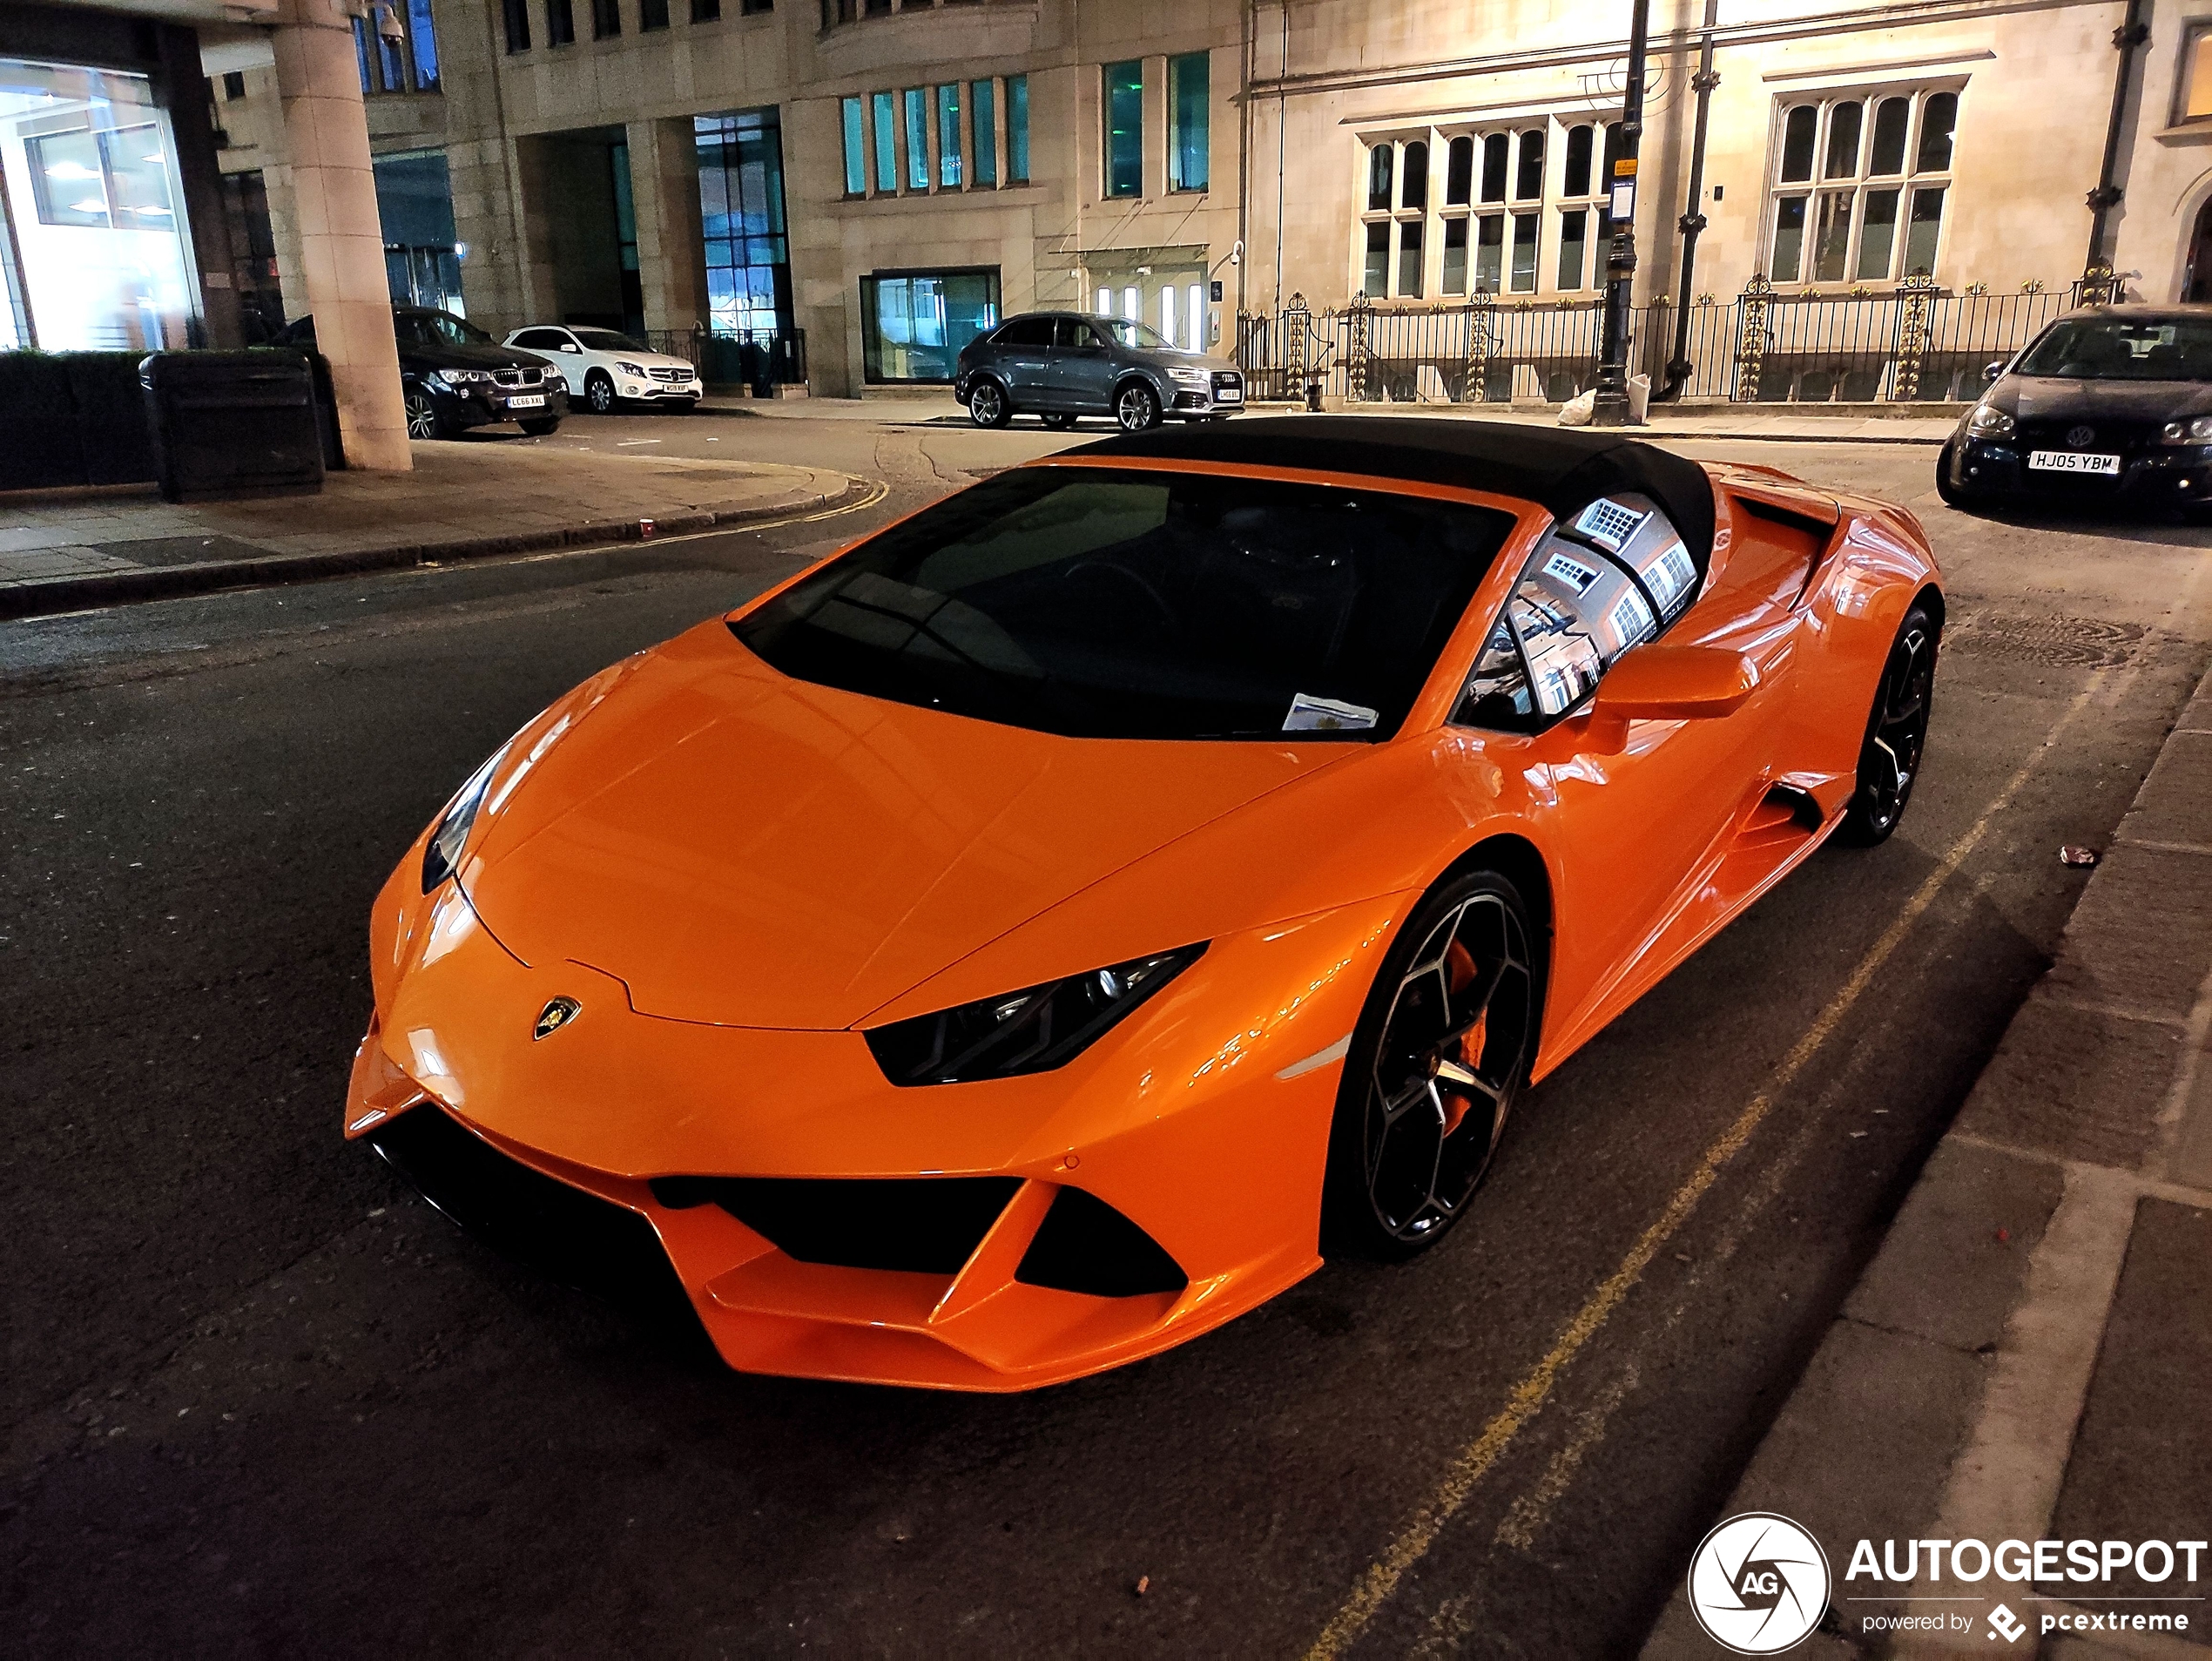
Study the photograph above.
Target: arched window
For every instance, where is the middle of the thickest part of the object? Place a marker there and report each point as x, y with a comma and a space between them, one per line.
1528, 174
1379, 173
1494, 167
1459, 174
1415, 193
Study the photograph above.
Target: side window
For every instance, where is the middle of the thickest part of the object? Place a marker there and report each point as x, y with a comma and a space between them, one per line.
1031, 332
1073, 335
540, 340
1606, 579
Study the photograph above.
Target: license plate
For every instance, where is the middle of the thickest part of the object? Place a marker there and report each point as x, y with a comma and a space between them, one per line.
527, 401
2072, 461
1230, 396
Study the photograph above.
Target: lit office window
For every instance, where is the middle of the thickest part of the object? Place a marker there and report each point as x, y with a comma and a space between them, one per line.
948, 144
741, 219
983, 113
917, 100
1188, 148
1017, 129
1124, 84
856, 155
885, 111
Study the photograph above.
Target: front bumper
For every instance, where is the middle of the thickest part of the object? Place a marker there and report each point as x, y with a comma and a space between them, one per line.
1223, 396
1996, 469
481, 405
822, 1223
657, 391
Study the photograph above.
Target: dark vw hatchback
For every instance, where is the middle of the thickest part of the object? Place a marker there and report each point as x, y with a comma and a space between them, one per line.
2108, 405
1061, 365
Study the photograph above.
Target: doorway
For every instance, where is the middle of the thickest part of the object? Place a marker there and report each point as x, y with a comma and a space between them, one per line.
2196, 275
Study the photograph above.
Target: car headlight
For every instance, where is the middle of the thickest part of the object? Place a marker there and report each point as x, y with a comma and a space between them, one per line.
636, 371
442, 857
2196, 430
1199, 378
1030, 1031
1986, 421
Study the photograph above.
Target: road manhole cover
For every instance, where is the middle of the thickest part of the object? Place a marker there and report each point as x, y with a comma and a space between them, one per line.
2062, 642
182, 550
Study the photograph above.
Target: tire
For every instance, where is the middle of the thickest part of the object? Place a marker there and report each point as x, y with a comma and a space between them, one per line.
1461, 987
1136, 407
599, 392
541, 427
1897, 733
987, 404
1059, 423
423, 420
1953, 496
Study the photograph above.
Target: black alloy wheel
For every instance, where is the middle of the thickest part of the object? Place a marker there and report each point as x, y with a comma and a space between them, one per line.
1953, 496
987, 404
1440, 1055
1897, 733
422, 418
599, 392
1136, 407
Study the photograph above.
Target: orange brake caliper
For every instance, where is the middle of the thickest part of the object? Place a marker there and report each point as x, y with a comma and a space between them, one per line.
1459, 966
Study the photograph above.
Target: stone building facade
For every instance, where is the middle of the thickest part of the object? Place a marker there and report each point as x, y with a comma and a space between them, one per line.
888, 176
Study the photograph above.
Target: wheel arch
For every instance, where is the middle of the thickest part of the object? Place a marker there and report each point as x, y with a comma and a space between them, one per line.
1520, 862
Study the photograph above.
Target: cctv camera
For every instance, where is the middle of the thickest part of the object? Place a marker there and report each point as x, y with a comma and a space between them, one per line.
387, 25
1236, 253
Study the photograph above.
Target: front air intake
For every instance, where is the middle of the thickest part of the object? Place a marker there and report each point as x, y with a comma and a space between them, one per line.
925, 1225
1084, 1245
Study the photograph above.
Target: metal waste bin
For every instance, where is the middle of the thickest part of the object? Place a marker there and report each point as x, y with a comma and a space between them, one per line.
230, 424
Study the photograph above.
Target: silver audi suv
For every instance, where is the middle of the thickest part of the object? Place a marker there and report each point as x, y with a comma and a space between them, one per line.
1060, 365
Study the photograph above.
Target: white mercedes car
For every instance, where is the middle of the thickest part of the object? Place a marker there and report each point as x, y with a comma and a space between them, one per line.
601, 366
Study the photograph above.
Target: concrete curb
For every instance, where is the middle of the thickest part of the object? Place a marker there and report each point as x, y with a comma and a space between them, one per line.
1954, 1396
46, 597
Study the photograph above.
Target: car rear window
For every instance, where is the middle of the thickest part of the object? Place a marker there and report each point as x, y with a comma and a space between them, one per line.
1134, 603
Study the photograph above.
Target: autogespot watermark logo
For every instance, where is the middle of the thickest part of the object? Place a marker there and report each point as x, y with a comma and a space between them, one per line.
1758, 1584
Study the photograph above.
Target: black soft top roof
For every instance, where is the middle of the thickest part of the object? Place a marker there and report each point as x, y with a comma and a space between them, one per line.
1560, 468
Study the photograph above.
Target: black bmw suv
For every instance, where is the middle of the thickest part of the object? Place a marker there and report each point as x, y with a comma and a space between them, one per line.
1061, 365
454, 376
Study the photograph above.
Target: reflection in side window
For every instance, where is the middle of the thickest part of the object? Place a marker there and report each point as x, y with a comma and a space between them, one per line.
1606, 580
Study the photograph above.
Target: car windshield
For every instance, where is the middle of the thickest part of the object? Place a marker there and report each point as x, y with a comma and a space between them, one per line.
605, 340
1101, 603
2124, 348
437, 329
1127, 331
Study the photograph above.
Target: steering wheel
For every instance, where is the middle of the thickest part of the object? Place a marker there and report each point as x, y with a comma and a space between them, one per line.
1151, 596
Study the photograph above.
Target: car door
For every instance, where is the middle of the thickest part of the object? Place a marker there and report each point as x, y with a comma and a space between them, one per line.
1635, 833
1020, 353
1082, 368
560, 349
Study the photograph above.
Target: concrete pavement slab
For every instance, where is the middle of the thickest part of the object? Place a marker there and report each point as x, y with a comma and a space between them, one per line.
2075, 1083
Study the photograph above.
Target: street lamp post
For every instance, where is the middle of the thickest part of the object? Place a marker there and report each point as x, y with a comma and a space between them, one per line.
1611, 405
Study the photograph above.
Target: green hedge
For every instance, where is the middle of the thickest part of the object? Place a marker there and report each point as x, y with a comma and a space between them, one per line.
80, 418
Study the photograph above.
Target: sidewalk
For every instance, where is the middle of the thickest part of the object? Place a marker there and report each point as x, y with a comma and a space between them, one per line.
1820, 423
2029, 1356
61, 551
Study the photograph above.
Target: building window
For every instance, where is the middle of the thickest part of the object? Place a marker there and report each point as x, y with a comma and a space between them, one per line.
706, 11
560, 24
421, 250
741, 219
948, 144
408, 64
914, 324
1505, 191
1124, 86
606, 19
234, 85
983, 110
887, 142
517, 14
2193, 99
1017, 129
754, 8
856, 149
917, 101
652, 15
1860, 186
1188, 154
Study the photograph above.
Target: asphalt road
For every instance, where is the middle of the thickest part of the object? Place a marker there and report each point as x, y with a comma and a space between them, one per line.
259, 1400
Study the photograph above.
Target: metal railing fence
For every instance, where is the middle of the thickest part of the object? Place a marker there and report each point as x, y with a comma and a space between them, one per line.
1917, 342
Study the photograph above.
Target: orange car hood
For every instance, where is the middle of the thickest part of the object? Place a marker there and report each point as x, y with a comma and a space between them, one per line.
749, 850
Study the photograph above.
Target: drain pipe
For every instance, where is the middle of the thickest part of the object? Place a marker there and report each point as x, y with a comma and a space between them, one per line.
2130, 34
1693, 220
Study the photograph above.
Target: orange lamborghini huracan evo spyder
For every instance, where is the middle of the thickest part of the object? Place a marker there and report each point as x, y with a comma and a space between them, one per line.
903, 965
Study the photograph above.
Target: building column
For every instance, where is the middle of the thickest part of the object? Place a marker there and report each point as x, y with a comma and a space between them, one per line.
340, 239
664, 199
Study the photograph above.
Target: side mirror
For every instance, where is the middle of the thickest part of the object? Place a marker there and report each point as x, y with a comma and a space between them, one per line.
1994, 370
571, 346
1658, 683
